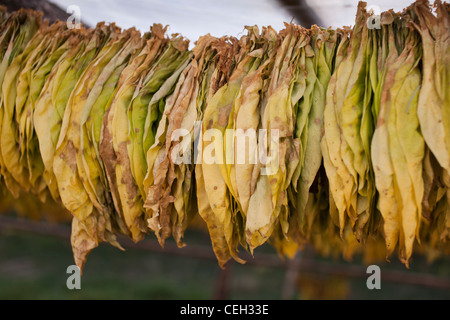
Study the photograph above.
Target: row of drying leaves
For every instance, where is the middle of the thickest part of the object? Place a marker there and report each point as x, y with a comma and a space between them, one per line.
86, 118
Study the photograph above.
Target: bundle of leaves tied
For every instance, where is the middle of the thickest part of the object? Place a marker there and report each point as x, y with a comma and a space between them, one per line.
355, 155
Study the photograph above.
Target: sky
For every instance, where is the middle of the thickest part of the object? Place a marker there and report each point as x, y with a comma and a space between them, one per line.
188, 17
338, 13
193, 18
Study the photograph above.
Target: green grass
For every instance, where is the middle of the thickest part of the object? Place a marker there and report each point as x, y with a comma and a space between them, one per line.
34, 267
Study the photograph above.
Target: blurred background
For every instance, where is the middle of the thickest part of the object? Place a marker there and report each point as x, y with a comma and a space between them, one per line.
34, 255
193, 18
